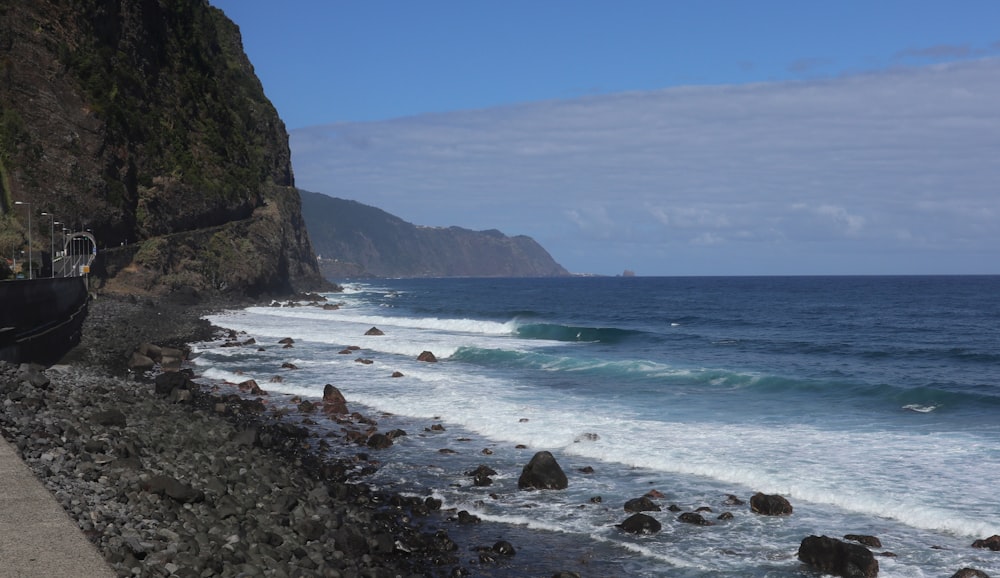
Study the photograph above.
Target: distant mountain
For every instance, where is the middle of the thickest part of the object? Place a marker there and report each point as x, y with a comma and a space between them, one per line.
355, 240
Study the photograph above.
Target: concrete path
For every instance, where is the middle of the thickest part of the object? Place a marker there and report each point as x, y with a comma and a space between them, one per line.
37, 537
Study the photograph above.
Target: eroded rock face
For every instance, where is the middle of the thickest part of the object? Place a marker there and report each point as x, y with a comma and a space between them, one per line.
839, 558
172, 137
542, 473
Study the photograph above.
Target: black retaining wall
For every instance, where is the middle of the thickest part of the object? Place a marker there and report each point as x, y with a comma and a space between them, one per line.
41, 319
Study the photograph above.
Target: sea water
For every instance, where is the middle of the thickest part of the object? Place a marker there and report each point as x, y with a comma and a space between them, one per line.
871, 403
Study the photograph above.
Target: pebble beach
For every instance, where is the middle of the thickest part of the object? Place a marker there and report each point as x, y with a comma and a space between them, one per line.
211, 483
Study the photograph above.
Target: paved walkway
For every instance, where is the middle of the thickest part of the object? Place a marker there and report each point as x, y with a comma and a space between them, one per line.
37, 537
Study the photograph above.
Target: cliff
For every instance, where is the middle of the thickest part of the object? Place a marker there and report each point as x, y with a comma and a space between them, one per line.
145, 123
356, 240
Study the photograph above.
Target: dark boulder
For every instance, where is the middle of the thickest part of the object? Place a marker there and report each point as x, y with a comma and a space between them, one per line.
991, 543
427, 356
694, 518
770, 505
839, 558
640, 524
642, 504
165, 383
870, 541
251, 386
379, 441
542, 473
970, 573
374, 331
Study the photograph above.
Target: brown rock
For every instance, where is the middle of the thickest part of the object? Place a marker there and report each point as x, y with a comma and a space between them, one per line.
991, 543
139, 362
693, 518
427, 356
770, 505
642, 504
333, 400
374, 331
970, 573
870, 541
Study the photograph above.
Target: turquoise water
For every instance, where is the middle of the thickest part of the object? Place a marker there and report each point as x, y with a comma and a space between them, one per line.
871, 403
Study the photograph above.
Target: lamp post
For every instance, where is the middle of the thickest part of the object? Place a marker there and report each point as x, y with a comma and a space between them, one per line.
52, 233
65, 251
30, 272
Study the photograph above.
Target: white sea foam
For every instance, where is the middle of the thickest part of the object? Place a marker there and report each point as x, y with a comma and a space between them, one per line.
884, 474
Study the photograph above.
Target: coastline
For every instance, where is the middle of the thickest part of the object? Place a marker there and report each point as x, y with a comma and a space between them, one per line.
214, 484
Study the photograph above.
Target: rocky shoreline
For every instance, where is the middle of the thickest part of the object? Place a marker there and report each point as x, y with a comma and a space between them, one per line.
206, 483
168, 477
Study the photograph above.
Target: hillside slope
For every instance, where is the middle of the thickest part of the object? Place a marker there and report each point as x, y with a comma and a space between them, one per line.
145, 123
354, 239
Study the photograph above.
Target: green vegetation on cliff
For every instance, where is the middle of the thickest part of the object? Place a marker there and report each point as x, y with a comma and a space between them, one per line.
144, 122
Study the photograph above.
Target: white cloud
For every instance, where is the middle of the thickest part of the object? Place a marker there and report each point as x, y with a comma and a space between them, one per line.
900, 160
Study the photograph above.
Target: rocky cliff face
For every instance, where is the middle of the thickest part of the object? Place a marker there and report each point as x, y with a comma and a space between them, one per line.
356, 240
143, 121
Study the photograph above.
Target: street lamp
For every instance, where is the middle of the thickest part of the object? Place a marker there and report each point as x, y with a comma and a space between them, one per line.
30, 273
52, 233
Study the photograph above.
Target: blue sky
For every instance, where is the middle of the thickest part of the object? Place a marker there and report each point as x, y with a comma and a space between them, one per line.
671, 138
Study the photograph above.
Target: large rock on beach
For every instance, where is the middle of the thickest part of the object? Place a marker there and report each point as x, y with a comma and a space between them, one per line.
770, 505
991, 543
640, 524
542, 473
334, 401
643, 504
139, 363
166, 383
838, 558
693, 518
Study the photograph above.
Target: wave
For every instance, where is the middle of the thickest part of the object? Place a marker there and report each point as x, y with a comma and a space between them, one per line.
555, 332
472, 326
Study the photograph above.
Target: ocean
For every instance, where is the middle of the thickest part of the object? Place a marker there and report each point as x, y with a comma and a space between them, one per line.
871, 403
